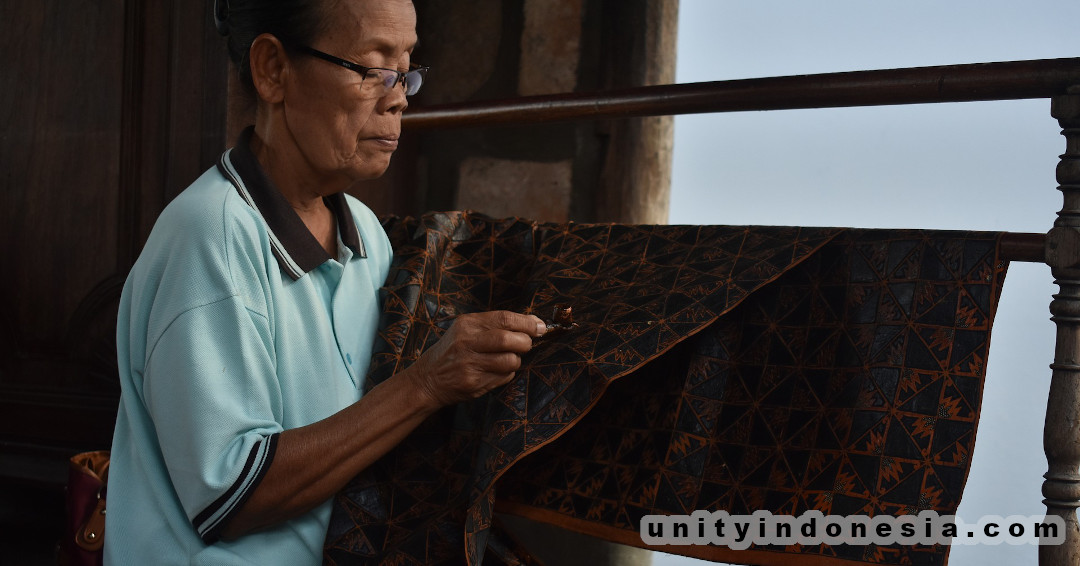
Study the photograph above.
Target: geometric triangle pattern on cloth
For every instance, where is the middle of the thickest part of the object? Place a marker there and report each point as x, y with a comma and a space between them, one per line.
712, 367
850, 385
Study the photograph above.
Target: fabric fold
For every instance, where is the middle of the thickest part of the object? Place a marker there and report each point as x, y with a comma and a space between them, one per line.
657, 310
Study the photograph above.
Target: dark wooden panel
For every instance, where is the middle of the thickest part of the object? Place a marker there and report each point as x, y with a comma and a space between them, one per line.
109, 108
59, 161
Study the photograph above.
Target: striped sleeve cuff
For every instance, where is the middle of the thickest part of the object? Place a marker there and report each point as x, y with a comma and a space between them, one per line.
210, 522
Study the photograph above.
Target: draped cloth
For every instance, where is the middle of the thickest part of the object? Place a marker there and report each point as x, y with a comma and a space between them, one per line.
712, 368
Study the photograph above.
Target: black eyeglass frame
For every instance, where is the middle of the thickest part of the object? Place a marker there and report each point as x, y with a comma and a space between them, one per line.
402, 78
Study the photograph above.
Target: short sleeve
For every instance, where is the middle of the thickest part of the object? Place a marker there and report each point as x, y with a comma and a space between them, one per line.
210, 388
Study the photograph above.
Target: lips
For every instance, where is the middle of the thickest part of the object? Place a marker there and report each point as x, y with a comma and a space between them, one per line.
388, 141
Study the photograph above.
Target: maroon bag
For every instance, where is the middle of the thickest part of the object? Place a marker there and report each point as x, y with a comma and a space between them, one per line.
84, 529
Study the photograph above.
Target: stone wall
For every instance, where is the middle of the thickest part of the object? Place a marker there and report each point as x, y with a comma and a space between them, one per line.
606, 171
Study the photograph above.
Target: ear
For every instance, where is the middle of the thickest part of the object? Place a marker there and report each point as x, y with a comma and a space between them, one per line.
269, 67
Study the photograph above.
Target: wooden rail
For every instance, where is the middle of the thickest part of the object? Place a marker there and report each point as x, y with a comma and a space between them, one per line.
952, 83
1056, 79
1019, 246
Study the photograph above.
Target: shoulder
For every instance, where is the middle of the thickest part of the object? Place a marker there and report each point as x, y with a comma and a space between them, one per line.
207, 211
204, 247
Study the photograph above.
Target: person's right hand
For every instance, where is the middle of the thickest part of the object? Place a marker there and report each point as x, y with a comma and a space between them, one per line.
480, 351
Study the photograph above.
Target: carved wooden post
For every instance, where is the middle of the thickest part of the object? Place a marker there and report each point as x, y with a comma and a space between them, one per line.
1061, 434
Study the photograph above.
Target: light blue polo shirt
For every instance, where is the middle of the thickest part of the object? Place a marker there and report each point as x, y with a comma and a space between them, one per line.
234, 325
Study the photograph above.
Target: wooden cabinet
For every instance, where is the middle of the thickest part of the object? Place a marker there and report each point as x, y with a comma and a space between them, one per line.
108, 108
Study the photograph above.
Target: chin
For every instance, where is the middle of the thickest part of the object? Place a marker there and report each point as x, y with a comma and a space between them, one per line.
370, 170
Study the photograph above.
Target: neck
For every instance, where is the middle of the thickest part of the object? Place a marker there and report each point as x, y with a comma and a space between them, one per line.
303, 190
287, 168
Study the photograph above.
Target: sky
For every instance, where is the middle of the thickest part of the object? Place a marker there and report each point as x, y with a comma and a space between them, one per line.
978, 165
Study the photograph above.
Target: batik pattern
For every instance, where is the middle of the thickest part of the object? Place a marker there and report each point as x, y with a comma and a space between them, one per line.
734, 368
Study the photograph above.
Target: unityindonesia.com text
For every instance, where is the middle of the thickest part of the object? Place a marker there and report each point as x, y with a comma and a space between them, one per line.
738, 532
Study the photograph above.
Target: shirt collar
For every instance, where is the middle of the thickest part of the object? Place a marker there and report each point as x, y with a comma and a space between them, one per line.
295, 248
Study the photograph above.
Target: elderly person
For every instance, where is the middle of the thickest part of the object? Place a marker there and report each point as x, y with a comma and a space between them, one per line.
247, 323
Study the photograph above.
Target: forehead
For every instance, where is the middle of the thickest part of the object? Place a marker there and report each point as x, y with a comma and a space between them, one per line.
387, 26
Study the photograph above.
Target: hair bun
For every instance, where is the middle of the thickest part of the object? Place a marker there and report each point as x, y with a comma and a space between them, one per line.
221, 16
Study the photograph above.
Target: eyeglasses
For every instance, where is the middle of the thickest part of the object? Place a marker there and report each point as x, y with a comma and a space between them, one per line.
377, 82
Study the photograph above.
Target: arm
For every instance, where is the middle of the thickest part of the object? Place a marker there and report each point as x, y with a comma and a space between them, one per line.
479, 353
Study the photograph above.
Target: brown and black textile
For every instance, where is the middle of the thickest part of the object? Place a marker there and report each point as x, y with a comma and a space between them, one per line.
713, 367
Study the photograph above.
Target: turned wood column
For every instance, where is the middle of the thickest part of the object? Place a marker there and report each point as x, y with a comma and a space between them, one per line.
1061, 434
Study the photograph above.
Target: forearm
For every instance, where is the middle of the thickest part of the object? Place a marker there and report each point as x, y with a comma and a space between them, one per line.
480, 351
314, 462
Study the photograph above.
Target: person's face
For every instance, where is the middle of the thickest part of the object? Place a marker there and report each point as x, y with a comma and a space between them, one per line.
340, 132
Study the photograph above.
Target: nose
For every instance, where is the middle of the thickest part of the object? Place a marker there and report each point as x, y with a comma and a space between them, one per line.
394, 101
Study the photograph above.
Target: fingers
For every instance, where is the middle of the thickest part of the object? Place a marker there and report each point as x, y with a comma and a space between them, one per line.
517, 322
494, 341
479, 352
500, 331
506, 362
